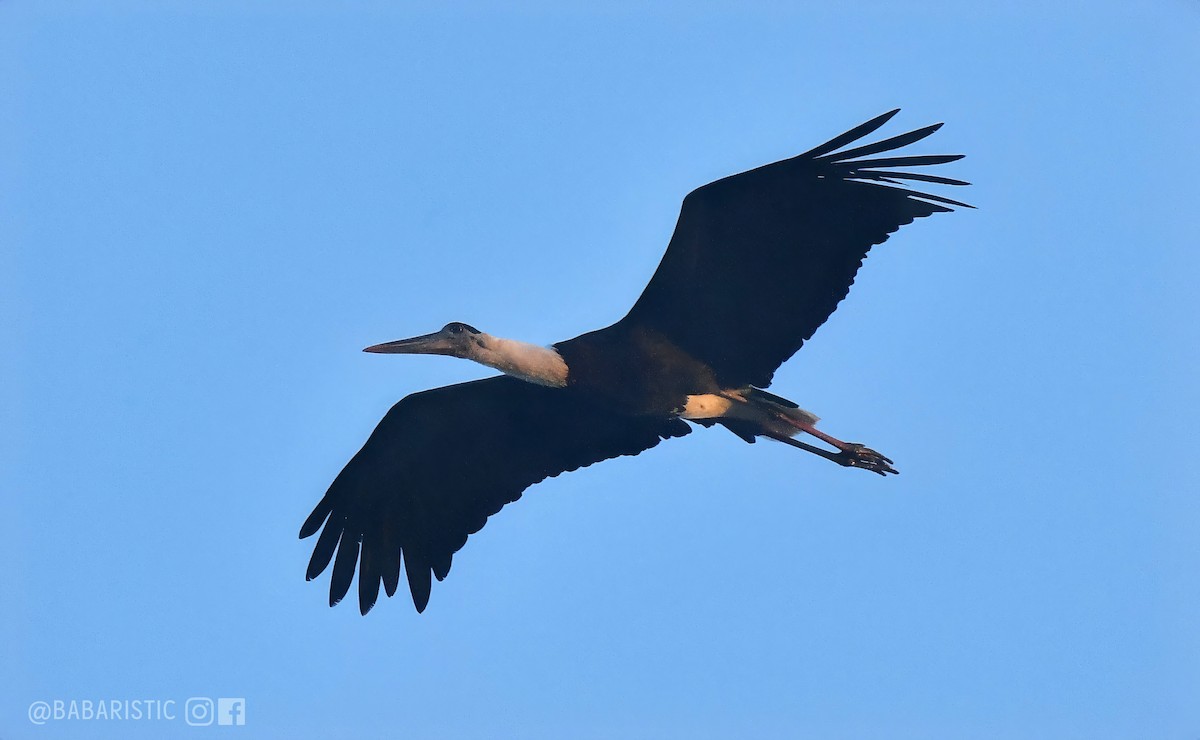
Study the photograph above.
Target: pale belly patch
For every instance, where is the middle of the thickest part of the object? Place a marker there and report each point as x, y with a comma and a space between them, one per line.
763, 412
706, 406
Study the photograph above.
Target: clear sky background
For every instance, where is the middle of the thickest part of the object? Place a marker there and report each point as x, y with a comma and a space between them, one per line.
208, 209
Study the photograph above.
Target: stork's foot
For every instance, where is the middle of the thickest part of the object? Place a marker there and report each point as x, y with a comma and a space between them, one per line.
854, 455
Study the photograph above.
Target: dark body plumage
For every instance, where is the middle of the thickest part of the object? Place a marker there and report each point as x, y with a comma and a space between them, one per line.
757, 263
645, 373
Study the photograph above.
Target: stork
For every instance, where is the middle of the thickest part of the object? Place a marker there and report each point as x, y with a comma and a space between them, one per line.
757, 263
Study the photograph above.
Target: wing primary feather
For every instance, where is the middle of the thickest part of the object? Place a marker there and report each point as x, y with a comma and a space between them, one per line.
940, 199
935, 208
859, 131
323, 551
343, 568
885, 145
391, 573
883, 174
316, 518
916, 161
915, 194
368, 580
419, 582
441, 567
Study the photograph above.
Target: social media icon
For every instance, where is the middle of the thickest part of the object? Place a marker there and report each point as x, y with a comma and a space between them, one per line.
198, 711
231, 711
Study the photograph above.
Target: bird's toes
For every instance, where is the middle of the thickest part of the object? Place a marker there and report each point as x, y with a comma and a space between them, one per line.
861, 456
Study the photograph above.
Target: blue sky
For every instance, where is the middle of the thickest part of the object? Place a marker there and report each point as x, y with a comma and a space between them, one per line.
207, 210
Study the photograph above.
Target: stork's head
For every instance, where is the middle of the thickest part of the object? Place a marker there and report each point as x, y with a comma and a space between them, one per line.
455, 339
542, 365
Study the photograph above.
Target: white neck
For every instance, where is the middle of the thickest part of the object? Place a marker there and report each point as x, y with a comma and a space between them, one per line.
529, 362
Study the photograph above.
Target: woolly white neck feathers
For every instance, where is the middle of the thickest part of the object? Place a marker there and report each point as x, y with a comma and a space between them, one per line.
529, 362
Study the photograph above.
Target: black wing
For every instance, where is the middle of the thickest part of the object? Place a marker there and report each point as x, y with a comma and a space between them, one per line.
444, 460
760, 260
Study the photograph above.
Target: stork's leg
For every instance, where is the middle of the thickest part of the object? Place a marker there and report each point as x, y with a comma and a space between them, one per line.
775, 417
849, 454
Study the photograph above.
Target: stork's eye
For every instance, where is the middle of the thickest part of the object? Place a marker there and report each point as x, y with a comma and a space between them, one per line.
455, 328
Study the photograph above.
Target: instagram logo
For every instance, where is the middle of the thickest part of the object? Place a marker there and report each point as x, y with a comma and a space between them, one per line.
198, 711
231, 711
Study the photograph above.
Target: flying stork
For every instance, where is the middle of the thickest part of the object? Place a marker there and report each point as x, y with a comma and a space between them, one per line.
757, 262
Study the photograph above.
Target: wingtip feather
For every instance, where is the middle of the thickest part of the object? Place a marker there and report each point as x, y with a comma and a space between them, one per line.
859, 131
391, 576
884, 145
420, 582
343, 569
441, 568
368, 579
322, 553
318, 516
367, 596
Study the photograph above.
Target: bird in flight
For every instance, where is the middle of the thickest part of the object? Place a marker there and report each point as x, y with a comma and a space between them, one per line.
757, 263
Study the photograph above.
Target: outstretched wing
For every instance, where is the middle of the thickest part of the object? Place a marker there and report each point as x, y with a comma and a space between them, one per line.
759, 261
444, 460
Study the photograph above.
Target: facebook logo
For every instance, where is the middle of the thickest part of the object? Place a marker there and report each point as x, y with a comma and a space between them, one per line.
231, 711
